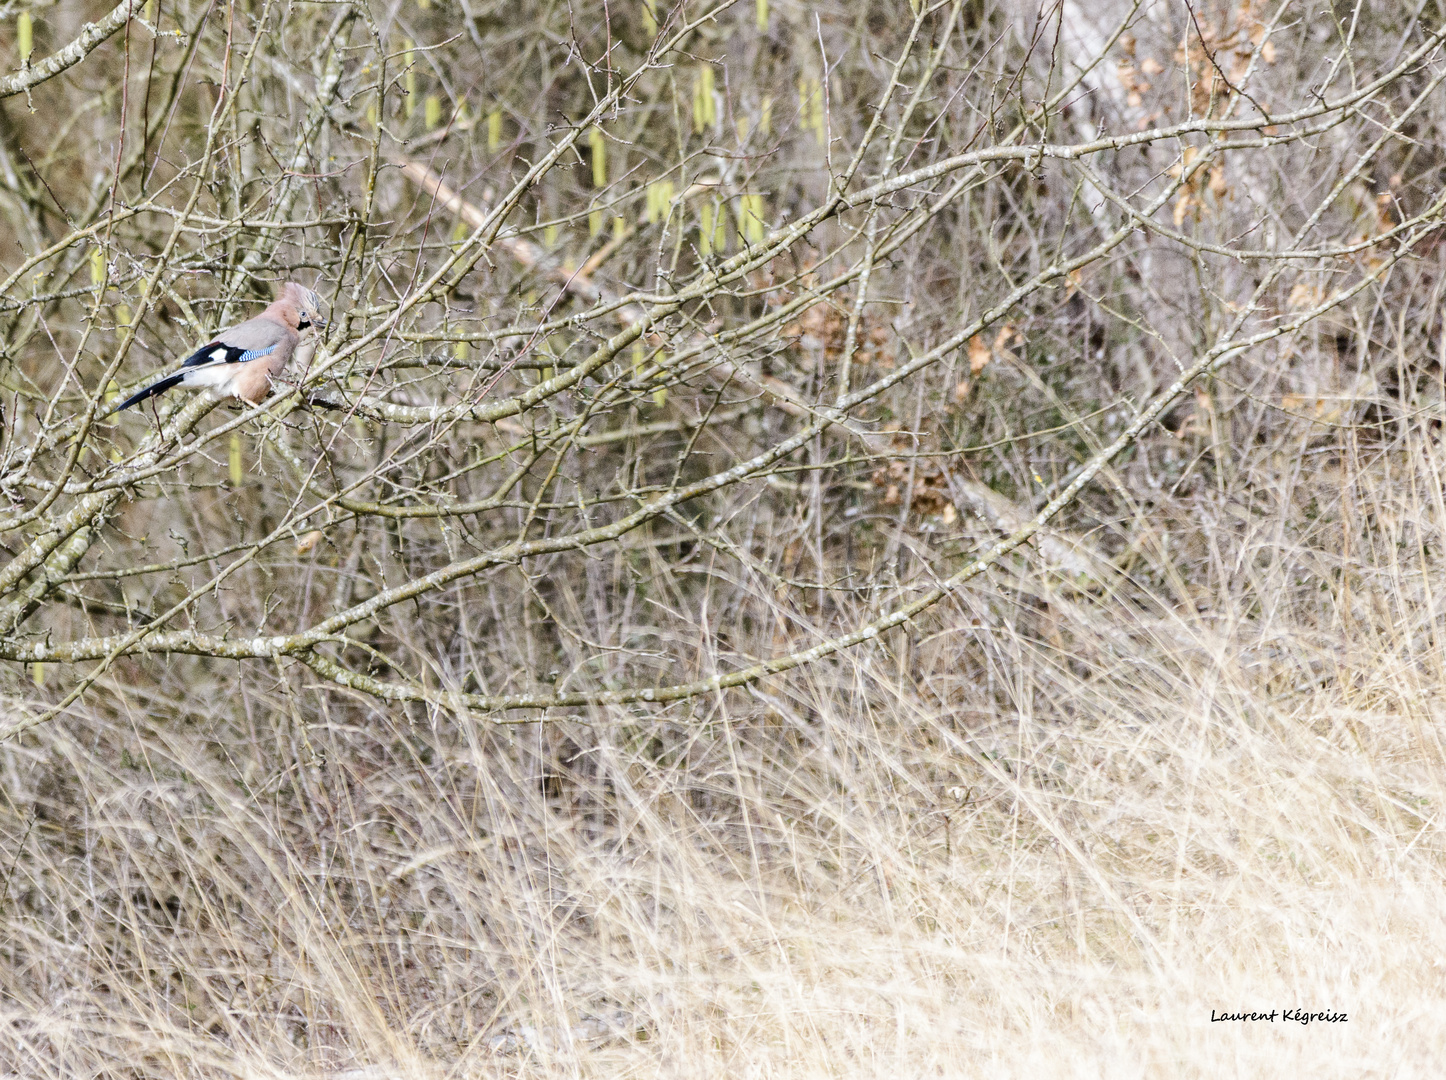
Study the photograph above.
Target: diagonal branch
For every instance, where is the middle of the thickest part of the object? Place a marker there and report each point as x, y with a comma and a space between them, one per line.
91, 35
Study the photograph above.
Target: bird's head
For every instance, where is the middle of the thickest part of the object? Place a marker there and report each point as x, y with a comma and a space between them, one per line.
306, 305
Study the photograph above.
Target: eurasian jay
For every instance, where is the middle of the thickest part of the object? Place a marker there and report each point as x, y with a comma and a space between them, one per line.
242, 361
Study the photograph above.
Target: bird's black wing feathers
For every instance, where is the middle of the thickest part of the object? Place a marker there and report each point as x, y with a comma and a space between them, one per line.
216, 352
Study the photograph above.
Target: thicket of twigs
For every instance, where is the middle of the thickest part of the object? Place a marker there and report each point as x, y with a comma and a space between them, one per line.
819, 538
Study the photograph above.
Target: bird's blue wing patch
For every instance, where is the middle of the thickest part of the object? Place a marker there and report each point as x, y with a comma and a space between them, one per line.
255, 354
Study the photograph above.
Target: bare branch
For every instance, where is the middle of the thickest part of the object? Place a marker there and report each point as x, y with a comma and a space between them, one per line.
90, 36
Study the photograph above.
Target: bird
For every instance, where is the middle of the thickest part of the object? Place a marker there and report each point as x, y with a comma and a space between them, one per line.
242, 361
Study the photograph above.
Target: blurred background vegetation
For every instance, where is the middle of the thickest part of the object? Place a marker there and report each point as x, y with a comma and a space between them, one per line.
820, 538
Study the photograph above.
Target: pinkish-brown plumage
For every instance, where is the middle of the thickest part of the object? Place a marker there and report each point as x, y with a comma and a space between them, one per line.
244, 360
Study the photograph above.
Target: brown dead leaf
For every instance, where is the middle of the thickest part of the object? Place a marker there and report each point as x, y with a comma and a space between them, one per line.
309, 541
1385, 212
1008, 336
1218, 187
1303, 296
1183, 205
1324, 409
979, 354
1178, 169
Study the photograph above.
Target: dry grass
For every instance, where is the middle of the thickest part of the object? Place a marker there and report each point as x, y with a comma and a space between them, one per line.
1046, 834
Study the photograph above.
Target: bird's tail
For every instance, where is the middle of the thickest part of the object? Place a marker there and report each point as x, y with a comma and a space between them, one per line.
158, 387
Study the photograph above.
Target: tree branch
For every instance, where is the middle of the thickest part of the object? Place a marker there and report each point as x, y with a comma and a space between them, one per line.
91, 35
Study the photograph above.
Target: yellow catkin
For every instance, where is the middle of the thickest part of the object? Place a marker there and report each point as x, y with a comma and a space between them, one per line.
150, 12
594, 222
432, 111
424, 4
810, 106
37, 672
409, 80
765, 116
704, 111
638, 355
97, 266
112, 391
620, 228
705, 108
720, 231
372, 114
235, 459
660, 201
494, 130
705, 230
122, 315
599, 147
650, 16
460, 232
742, 129
461, 349
24, 36
763, 16
549, 236
750, 218
660, 396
